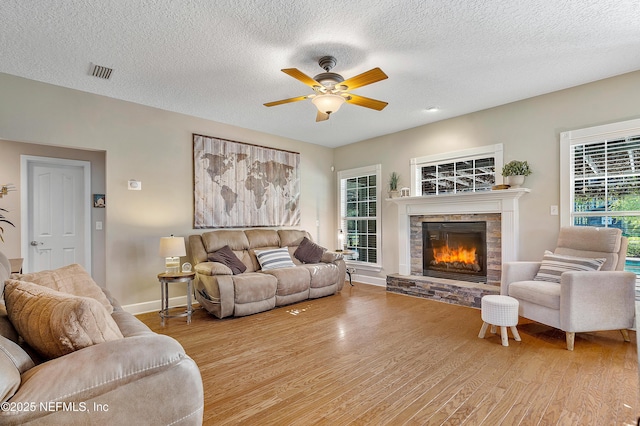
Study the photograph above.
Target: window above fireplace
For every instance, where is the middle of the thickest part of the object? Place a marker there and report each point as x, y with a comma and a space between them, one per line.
470, 170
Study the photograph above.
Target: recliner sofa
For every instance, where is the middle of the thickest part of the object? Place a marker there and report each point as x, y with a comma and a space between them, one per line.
224, 294
141, 378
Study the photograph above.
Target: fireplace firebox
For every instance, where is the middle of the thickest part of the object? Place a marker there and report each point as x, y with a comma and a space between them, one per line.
455, 250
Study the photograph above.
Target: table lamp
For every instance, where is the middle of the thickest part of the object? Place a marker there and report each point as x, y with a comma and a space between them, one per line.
171, 248
340, 240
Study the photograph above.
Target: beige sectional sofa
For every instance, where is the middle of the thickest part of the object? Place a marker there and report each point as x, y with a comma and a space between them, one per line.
225, 293
75, 372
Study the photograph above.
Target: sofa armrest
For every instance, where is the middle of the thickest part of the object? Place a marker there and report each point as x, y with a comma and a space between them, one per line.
337, 259
331, 256
592, 301
113, 374
212, 268
517, 271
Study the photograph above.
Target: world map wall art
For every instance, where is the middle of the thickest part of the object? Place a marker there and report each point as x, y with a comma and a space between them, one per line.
242, 185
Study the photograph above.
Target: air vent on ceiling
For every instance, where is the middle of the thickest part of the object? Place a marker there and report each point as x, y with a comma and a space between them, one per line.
100, 71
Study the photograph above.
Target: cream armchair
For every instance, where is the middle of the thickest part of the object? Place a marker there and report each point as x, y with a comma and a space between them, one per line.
582, 301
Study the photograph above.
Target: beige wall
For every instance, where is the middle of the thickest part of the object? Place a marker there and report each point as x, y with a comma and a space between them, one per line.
155, 147
529, 129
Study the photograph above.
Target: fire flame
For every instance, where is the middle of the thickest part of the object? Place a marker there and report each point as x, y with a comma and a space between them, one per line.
448, 255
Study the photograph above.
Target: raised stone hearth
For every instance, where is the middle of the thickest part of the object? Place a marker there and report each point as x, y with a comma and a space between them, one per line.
442, 290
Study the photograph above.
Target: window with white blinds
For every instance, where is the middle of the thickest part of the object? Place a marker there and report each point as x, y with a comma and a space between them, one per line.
606, 178
359, 219
600, 181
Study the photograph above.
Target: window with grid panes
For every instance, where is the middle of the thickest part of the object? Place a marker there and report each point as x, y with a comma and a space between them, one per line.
359, 213
459, 176
469, 170
604, 182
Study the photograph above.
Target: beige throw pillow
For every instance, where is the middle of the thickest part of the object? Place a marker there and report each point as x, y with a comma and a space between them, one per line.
72, 279
55, 323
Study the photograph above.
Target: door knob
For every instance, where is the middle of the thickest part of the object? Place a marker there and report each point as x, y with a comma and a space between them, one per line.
36, 243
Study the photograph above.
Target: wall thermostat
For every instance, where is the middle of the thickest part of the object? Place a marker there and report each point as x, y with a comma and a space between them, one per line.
135, 185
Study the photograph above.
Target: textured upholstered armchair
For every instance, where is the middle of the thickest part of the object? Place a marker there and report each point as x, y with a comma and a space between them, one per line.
580, 287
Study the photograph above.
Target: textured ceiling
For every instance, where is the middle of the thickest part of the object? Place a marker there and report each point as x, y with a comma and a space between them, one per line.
221, 59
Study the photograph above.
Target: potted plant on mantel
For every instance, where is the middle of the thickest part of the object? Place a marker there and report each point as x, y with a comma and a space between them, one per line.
394, 178
515, 172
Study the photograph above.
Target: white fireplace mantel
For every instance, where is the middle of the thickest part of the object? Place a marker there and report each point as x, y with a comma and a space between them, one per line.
503, 201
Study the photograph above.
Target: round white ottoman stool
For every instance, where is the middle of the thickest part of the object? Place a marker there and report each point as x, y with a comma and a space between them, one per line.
498, 310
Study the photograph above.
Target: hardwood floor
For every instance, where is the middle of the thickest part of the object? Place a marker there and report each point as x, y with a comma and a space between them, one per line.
370, 357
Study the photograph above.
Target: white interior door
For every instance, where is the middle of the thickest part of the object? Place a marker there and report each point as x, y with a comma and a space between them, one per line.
58, 213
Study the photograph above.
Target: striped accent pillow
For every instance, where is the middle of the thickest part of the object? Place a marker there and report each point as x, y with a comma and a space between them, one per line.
553, 265
274, 259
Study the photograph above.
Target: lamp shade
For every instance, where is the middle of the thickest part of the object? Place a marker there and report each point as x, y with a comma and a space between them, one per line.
328, 103
172, 247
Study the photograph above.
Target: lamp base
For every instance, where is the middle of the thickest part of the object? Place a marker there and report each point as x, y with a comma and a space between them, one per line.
172, 265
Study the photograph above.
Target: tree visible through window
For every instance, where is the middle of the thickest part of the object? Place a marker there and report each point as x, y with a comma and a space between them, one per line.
604, 184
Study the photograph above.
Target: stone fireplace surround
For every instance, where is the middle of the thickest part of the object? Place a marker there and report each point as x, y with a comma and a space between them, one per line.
499, 208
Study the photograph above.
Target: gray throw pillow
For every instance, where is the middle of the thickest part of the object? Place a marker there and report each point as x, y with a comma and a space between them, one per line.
553, 265
274, 259
309, 252
227, 257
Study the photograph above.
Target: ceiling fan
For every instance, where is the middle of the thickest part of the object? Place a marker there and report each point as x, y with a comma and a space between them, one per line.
331, 89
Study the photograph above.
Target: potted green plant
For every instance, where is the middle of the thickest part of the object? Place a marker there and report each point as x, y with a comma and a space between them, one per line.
4, 219
394, 179
515, 172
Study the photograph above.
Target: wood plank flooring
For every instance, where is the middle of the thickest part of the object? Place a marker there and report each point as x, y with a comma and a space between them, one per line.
368, 357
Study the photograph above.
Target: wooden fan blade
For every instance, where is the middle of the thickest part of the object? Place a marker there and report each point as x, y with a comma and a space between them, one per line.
367, 102
300, 76
285, 101
321, 116
369, 77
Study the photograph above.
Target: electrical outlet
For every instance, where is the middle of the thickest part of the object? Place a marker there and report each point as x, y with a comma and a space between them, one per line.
554, 211
98, 226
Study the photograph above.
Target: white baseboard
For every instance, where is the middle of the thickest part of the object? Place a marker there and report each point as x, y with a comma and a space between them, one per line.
365, 279
154, 305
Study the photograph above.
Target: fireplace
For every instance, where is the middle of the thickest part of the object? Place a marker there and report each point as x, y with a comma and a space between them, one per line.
455, 250
498, 209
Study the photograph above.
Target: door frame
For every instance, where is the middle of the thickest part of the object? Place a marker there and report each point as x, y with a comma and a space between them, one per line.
25, 160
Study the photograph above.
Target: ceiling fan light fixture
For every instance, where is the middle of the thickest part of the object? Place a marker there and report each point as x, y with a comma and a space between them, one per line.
328, 103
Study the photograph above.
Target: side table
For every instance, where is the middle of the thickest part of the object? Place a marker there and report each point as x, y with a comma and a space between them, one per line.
348, 255
16, 265
165, 279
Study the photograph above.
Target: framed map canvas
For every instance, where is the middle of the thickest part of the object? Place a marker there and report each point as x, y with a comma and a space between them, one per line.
241, 185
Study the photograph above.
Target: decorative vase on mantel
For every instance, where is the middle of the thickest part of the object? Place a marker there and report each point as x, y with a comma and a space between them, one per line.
393, 194
515, 181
